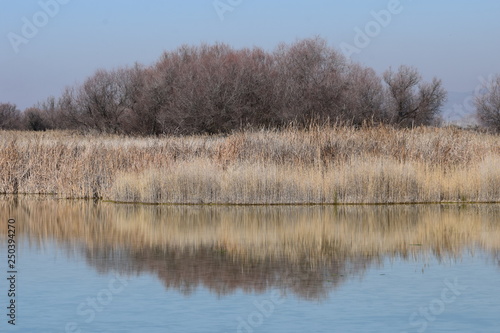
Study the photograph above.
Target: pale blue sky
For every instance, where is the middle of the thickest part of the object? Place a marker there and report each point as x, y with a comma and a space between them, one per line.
453, 40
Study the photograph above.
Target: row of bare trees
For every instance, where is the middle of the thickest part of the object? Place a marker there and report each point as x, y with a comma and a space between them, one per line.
38, 118
216, 89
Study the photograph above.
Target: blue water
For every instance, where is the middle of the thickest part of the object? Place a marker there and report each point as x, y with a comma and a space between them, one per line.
100, 267
56, 286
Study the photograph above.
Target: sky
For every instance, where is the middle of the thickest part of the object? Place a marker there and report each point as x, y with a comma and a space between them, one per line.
46, 45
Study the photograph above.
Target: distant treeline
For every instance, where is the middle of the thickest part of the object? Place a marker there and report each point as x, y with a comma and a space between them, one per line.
217, 89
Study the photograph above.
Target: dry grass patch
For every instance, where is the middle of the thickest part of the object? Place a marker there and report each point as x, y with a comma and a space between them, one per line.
314, 165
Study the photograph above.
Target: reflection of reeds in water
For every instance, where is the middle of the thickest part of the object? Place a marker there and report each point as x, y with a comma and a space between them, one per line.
303, 249
319, 165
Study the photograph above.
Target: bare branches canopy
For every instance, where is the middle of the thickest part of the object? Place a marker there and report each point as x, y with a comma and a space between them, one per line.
488, 104
10, 116
410, 101
217, 89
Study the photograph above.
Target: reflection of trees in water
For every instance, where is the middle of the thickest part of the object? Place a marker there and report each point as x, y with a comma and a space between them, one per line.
306, 250
185, 270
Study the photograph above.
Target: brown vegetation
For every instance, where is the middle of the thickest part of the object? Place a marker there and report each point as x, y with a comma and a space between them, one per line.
320, 164
10, 116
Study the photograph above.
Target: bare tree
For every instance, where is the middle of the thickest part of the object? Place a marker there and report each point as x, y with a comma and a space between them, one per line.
258, 104
364, 97
34, 119
103, 99
43, 116
10, 116
101, 102
310, 80
71, 116
410, 101
136, 117
209, 89
488, 104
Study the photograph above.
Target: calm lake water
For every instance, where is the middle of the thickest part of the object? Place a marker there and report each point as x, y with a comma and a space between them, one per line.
102, 267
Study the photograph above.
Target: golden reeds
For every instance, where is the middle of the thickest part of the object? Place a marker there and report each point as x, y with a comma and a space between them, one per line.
314, 165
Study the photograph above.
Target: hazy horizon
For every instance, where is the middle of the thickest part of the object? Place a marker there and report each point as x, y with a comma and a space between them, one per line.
50, 44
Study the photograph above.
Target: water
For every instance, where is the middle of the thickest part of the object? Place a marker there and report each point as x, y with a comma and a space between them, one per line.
101, 267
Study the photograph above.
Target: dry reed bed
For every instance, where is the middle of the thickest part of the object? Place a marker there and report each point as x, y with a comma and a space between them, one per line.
317, 165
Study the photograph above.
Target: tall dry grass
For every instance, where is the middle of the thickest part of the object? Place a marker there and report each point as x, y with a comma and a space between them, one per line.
304, 249
314, 165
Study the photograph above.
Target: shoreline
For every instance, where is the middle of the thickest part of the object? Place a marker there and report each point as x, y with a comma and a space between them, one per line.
230, 204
